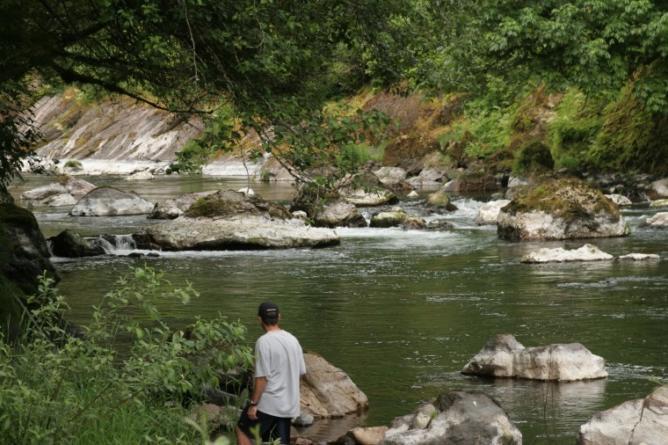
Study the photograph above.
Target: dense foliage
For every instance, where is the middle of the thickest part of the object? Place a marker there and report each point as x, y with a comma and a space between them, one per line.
55, 388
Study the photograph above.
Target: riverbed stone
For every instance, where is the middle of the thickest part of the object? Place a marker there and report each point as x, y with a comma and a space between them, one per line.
560, 209
328, 391
440, 200
174, 207
659, 188
472, 183
439, 225
142, 175
639, 257
392, 218
489, 212
588, 252
43, 192
459, 418
109, 201
659, 203
635, 422
658, 221
339, 213
390, 176
504, 356
240, 232
363, 198
618, 199
372, 435
428, 178
69, 244
414, 223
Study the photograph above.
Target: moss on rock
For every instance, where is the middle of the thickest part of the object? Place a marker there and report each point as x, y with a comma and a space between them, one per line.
230, 203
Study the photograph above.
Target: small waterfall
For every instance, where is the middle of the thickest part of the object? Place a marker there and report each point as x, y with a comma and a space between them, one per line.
115, 244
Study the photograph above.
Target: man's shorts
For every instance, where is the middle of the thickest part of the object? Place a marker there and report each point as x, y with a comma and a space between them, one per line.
270, 427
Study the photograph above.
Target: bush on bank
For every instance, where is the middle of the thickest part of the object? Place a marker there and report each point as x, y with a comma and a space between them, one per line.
125, 381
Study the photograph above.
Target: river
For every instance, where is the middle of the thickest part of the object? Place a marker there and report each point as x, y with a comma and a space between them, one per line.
403, 311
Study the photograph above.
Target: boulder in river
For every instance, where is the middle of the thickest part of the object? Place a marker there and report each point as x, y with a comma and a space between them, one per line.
392, 218
560, 209
174, 207
659, 203
635, 422
78, 187
489, 211
659, 189
339, 213
369, 198
440, 200
588, 252
618, 199
455, 418
472, 183
141, 175
639, 257
69, 244
390, 176
504, 356
108, 201
327, 391
658, 221
428, 178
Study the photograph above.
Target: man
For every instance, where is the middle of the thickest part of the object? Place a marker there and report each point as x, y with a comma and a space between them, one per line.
279, 364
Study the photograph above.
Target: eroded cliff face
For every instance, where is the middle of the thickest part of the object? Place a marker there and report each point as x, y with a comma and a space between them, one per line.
115, 128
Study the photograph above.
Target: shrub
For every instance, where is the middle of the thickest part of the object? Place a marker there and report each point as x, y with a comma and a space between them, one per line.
86, 390
534, 157
73, 164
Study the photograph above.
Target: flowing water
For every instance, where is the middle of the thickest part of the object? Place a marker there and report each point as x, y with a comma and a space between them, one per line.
403, 311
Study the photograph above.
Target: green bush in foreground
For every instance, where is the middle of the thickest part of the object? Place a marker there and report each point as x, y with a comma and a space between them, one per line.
55, 388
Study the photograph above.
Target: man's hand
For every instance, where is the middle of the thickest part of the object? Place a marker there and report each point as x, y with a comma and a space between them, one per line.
252, 412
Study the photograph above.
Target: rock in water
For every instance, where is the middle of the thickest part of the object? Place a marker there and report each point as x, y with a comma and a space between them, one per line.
370, 435
395, 217
658, 221
173, 208
70, 245
659, 203
640, 257
427, 178
363, 198
327, 391
44, 192
390, 176
108, 201
490, 211
339, 214
588, 252
660, 188
142, 175
620, 200
457, 418
441, 200
560, 209
504, 356
238, 233
78, 187
636, 422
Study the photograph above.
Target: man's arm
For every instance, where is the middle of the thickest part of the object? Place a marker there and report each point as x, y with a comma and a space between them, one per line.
258, 389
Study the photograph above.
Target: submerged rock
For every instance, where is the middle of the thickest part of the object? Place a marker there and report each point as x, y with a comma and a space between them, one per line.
588, 252
70, 245
108, 201
620, 200
437, 225
489, 211
560, 209
455, 418
238, 232
339, 214
327, 391
504, 356
635, 422
658, 221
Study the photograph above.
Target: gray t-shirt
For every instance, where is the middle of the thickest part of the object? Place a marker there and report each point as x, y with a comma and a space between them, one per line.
279, 358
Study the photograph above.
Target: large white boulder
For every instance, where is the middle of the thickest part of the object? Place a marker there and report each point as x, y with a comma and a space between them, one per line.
635, 422
390, 175
489, 212
660, 188
588, 252
455, 418
658, 221
238, 232
327, 391
560, 209
108, 201
504, 356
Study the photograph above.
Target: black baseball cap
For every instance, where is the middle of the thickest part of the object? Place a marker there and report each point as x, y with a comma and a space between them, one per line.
268, 312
